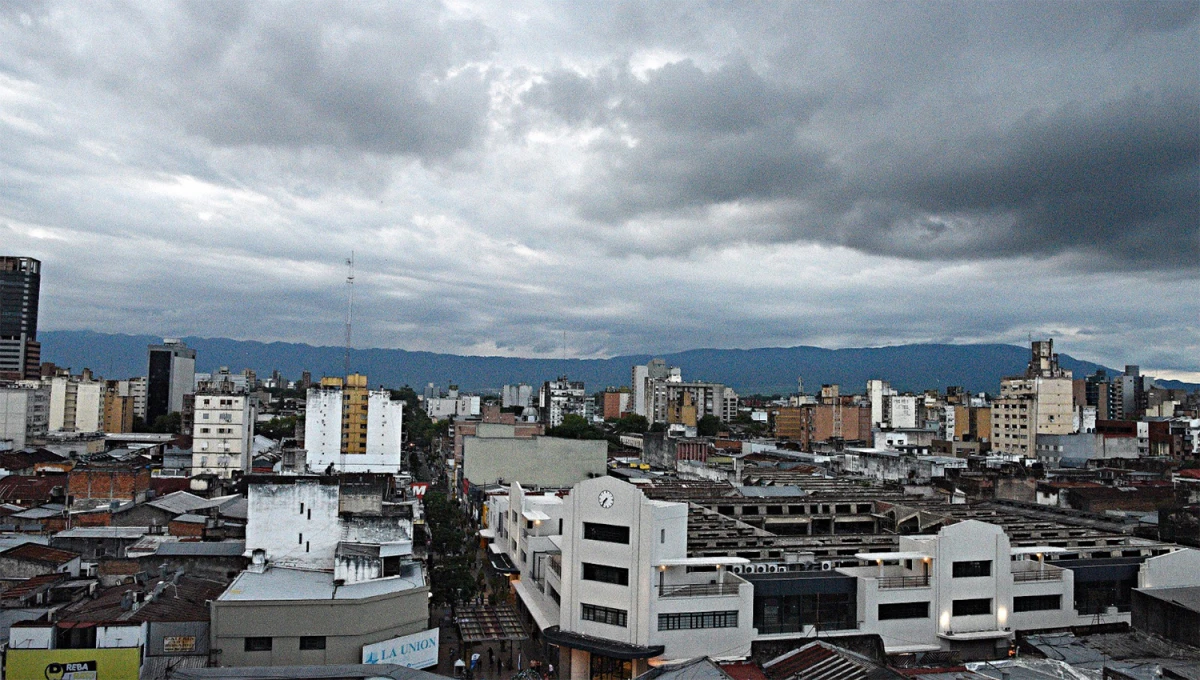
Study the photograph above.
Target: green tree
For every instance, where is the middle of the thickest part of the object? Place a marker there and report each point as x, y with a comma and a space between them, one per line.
278, 428
632, 423
575, 427
169, 423
708, 426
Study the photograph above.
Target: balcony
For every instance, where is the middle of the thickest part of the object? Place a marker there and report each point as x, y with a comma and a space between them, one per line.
1031, 571
700, 590
1048, 575
556, 565
889, 582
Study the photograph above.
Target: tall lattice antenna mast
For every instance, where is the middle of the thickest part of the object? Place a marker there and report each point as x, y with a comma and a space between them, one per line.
349, 307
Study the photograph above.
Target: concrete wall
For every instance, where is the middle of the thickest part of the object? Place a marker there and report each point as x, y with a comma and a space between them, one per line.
323, 427
296, 524
24, 414
542, 461
1175, 569
384, 425
347, 625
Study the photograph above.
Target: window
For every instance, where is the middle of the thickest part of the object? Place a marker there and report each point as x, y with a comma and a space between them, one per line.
972, 569
1037, 603
904, 610
662, 535
309, 642
609, 533
257, 644
694, 620
605, 574
975, 607
391, 567
613, 617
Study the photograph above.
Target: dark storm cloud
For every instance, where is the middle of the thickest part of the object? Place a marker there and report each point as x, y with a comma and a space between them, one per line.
1119, 181
1112, 177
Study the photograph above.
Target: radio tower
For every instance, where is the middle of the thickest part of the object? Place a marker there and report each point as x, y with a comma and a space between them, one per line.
349, 307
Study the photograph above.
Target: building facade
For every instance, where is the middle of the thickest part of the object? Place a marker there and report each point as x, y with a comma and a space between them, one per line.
222, 432
24, 413
20, 288
605, 575
171, 373
331, 573
352, 428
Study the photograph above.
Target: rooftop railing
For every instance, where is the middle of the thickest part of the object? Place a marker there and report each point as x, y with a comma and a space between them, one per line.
700, 590
1048, 575
903, 582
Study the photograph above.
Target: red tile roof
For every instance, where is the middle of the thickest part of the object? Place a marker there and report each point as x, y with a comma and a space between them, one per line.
35, 552
32, 585
744, 670
165, 485
35, 490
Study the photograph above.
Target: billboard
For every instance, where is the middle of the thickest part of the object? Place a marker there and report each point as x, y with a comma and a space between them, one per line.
118, 663
419, 650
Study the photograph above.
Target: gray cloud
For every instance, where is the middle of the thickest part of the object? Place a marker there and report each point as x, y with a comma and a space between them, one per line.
644, 177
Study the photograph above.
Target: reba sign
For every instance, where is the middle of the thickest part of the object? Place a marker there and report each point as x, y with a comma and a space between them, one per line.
419, 650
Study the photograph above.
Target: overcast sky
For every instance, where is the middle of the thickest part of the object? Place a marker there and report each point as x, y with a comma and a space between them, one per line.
646, 177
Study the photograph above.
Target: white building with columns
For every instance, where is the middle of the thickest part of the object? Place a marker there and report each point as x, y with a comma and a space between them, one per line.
616, 589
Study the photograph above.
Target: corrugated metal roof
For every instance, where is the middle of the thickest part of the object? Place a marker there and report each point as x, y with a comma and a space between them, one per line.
104, 532
201, 548
180, 502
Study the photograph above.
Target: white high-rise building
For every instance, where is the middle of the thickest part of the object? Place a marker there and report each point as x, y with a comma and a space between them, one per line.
222, 433
352, 428
877, 393
76, 404
24, 413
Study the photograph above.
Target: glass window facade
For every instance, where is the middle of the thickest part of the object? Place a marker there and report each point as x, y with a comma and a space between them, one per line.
792, 613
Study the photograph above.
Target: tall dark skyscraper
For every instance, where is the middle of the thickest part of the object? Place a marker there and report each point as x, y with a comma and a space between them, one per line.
20, 285
170, 374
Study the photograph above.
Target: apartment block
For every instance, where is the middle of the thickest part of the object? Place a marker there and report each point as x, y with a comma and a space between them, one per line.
222, 432
353, 428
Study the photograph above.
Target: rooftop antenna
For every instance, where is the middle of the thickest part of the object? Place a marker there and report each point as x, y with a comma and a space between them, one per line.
349, 307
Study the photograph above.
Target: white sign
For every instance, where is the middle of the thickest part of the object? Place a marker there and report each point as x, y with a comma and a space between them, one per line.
419, 650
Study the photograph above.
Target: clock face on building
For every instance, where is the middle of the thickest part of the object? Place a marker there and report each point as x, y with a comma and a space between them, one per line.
606, 499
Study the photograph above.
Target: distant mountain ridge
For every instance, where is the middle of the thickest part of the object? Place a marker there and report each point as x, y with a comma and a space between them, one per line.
771, 370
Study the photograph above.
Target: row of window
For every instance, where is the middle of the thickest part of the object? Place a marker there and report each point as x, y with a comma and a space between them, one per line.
265, 644
613, 617
971, 607
605, 574
679, 621
697, 620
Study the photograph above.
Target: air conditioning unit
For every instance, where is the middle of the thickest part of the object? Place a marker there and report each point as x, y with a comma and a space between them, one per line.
826, 565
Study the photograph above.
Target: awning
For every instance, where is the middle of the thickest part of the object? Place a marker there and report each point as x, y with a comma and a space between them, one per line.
594, 645
1035, 549
541, 616
976, 635
487, 533
502, 563
890, 556
484, 623
701, 561
535, 515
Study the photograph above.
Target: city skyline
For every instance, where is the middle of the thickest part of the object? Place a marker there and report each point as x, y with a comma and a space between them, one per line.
827, 175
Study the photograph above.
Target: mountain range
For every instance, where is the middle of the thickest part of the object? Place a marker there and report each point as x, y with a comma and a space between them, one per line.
769, 370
